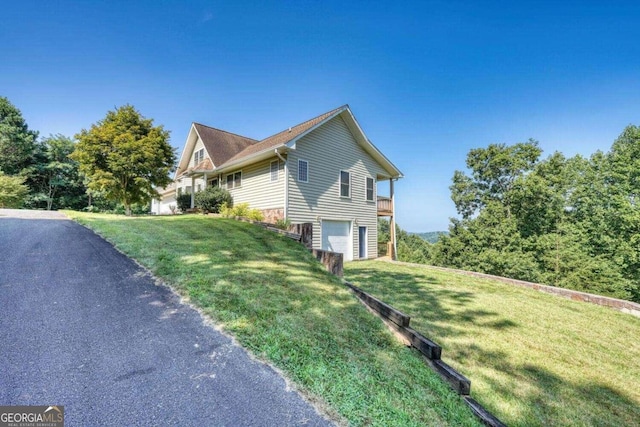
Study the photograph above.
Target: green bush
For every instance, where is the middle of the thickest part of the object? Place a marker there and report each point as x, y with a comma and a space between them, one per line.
183, 201
241, 210
13, 191
211, 199
283, 224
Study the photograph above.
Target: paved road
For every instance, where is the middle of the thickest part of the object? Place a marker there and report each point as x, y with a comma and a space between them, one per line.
83, 326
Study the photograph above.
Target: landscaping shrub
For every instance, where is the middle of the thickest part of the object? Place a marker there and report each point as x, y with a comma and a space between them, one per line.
183, 201
241, 210
283, 224
211, 199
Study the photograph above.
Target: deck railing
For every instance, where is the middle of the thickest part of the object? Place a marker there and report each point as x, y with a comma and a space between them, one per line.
385, 206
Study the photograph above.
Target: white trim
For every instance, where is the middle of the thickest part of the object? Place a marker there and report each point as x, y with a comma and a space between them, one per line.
298, 171
366, 242
286, 182
292, 143
233, 175
366, 190
340, 184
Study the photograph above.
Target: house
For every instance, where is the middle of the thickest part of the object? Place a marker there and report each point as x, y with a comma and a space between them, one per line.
324, 171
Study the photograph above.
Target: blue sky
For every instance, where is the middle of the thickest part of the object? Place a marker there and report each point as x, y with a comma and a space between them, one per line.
427, 80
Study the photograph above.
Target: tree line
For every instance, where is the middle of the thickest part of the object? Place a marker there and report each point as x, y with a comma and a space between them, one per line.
112, 166
569, 222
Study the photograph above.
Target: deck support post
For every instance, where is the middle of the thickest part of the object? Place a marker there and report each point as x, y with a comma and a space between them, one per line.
392, 222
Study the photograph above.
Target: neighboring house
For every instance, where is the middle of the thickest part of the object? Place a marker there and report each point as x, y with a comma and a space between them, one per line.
323, 171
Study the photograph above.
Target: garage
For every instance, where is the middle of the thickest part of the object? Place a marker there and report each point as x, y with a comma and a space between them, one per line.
336, 237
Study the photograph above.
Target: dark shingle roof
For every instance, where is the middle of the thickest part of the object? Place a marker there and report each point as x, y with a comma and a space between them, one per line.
225, 147
283, 137
222, 145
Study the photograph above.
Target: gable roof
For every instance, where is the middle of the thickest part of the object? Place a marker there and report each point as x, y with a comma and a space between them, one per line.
281, 138
222, 145
227, 149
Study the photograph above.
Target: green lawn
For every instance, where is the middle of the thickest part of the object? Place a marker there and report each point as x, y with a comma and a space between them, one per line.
533, 359
279, 303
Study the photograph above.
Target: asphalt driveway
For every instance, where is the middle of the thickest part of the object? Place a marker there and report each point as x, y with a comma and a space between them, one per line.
83, 326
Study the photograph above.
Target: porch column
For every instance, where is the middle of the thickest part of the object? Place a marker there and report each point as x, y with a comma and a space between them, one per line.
193, 191
205, 181
392, 221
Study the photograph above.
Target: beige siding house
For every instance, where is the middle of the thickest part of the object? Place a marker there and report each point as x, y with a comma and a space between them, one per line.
323, 171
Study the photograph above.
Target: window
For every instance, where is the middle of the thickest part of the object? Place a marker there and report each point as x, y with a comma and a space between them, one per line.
214, 182
370, 189
275, 167
303, 171
234, 180
198, 156
345, 184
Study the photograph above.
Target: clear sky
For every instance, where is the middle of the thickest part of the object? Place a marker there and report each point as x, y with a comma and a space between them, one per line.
426, 80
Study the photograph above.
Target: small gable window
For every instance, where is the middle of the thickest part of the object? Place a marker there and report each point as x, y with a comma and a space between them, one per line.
370, 189
198, 156
275, 168
345, 184
303, 171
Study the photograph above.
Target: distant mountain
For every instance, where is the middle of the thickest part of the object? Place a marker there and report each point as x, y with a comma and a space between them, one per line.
431, 236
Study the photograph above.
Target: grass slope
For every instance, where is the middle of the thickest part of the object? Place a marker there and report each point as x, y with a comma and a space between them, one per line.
279, 303
533, 359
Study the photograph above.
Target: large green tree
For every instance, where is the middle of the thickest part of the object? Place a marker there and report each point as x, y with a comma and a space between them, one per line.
54, 177
570, 222
17, 141
494, 171
124, 156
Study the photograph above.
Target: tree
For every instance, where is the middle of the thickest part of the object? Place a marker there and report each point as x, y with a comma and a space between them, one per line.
125, 157
17, 142
54, 178
494, 170
12, 191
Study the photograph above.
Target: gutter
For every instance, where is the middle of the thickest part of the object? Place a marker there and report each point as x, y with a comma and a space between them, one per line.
286, 183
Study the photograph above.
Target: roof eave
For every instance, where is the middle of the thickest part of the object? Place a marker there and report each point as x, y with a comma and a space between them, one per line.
372, 149
292, 143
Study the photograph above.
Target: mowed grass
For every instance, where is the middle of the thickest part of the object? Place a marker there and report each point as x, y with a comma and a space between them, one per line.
533, 359
279, 303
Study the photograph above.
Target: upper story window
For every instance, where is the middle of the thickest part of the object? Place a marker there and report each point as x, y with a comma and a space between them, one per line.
303, 171
234, 180
370, 194
345, 184
275, 168
198, 156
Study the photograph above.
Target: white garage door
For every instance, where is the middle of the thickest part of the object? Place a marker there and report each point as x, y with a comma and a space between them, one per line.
336, 237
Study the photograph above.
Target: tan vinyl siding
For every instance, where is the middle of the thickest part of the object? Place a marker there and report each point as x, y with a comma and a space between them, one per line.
257, 189
329, 149
198, 146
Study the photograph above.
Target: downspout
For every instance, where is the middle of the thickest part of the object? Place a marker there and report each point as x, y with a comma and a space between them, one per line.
286, 183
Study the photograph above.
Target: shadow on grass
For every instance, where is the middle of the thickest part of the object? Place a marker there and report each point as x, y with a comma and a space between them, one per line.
517, 390
426, 297
279, 302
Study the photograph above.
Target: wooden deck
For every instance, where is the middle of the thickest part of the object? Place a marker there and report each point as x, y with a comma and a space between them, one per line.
385, 206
